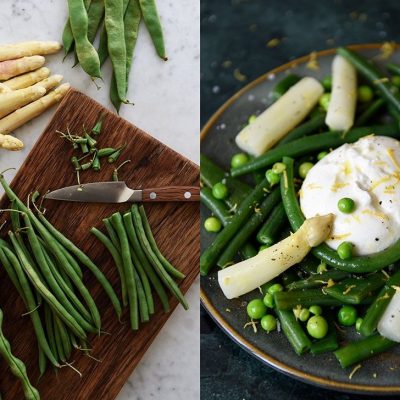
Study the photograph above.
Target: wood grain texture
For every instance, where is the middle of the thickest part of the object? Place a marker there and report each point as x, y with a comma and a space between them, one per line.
172, 193
175, 226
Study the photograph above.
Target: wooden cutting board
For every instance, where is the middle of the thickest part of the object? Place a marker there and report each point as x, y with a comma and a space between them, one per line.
175, 226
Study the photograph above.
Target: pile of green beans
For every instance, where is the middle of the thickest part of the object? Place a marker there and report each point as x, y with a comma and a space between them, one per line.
118, 21
140, 263
353, 287
16, 365
46, 269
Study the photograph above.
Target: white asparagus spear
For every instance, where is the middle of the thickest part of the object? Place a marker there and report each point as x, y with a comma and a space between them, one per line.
15, 99
32, 110
18, 50
280, 118
4, 88
50, 82
11, 68
342, 106
9, 142
29, 79
250, 274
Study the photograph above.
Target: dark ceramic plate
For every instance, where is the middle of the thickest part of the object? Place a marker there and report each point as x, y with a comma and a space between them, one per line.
379, 375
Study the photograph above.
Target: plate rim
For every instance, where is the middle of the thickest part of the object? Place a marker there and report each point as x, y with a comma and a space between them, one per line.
215, 314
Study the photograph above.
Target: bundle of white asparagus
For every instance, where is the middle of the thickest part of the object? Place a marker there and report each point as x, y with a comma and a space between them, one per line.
26, 87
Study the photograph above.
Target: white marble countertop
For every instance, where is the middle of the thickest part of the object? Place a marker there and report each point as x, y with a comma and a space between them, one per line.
166, 97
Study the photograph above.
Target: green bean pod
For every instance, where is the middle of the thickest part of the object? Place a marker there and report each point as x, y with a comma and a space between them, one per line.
217, 207
363, 349
95, 16
293, 331
16, 365
251, 225
87, 55
283, 86
319, 280
313, 143
326, 345
272, 225
153, 24
304, 298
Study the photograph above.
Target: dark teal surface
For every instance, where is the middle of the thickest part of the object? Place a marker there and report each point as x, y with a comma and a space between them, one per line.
234, 36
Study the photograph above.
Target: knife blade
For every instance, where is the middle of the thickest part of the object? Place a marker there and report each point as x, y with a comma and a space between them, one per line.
119, 192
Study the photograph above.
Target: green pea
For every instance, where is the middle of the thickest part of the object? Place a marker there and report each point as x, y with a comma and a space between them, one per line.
272, 177
365, 94
324, 101
256, 309
304, 315
268, 323
317, 327
278, 167
239, 159
396, 81
316, 310
359, 321
212, 224
321, 155
220, 191
321, 268
347, 315
346, 205
327, 83
252, 118
345, 250
269, 300
304, 169
277, 287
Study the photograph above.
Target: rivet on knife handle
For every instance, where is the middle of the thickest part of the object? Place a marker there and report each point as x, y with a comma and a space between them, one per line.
172, 193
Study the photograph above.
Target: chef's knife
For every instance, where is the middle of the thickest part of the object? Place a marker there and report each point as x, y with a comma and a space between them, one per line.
118, 192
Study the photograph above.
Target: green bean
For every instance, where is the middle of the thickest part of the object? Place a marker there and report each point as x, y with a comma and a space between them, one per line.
114, 23
362, 349
153, 24
165, 277
42, 362
251, 225
378, 307
293, 331
114, 156
72, 262
118, 225
111, 233
370, 72
102, 50
117, 259
319, 280
16, 365
143, 308
127, 218
211, 255
354, 290
312, 125
42, 289
48, 318
304, 298
64, 337
328, 344
144, 262
272, 225
313, 143
217, 207
87, 55
132, 19
95, 16
107, 151
370, 112
96, 164
149, 234
361, 264
96, 130
58, 341
211, 173
48, 276
11, 274
85, 260
31, 305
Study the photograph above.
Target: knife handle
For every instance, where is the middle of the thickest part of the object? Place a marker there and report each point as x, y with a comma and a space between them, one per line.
171, 193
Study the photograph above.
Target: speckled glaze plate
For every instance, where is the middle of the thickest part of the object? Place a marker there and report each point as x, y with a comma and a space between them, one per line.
379, 375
